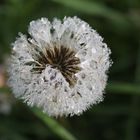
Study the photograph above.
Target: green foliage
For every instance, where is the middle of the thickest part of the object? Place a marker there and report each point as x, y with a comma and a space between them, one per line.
114, 119
54, 126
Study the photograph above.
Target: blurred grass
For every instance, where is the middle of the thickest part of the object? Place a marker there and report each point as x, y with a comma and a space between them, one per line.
132, 123
118, 116
121, 87
95, 8
54, 125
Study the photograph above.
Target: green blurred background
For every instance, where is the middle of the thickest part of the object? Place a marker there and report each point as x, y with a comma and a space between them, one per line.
118, 117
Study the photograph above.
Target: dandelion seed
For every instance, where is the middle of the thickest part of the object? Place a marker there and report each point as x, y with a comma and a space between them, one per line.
61, 67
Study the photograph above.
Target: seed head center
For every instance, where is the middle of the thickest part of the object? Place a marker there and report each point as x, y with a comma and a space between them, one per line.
60, 58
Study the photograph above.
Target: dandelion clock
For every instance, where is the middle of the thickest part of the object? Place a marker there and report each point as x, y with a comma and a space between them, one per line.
59, 67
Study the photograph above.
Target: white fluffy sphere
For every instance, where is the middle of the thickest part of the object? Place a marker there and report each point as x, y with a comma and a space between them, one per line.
61, 67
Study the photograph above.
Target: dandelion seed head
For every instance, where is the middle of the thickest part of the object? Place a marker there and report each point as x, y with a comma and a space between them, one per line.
61, 67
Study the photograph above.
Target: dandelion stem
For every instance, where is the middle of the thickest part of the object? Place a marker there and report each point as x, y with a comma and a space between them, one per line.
54, 125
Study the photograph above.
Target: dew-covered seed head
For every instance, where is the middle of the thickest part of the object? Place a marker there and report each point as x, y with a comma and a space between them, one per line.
61, 68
